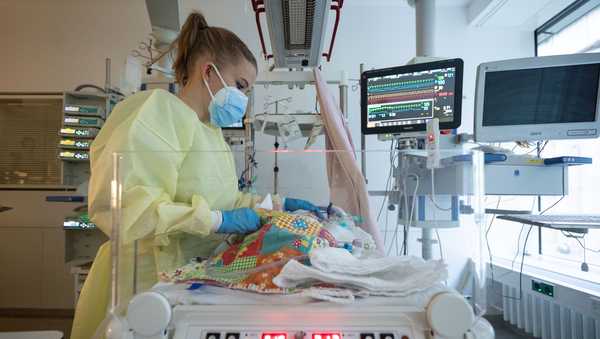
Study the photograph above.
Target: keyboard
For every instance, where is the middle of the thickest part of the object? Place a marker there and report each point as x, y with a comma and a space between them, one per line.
561, 221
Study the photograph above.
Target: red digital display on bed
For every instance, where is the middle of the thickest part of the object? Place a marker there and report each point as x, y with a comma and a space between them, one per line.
274, 336
326, 336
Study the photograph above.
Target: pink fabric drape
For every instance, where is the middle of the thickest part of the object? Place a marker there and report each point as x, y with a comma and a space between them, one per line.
347, 186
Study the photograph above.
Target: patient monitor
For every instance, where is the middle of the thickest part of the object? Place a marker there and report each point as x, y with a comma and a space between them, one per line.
403, 99
542, 98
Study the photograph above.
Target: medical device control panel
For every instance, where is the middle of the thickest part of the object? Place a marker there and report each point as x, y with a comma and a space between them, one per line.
389, 333
297, 322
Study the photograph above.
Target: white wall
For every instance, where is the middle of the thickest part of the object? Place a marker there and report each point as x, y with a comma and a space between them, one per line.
382, 34
59, 44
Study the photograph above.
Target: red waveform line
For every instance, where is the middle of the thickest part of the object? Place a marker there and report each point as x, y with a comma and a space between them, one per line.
397, 98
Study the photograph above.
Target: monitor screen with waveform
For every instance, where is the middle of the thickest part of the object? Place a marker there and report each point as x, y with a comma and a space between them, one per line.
402, 99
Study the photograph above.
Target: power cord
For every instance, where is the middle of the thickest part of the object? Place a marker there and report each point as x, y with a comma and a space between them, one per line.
525, 248
439, 239
410, 214
392, 157
522, 253
432, 196
584, 265
487, 240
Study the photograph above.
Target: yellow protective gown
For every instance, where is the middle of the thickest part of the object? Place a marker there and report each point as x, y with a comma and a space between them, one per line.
174, 171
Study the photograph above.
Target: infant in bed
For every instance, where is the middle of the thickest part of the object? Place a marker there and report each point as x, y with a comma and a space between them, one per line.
252, 261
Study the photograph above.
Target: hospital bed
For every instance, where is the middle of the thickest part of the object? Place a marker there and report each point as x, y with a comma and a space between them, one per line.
219, 313
204, 311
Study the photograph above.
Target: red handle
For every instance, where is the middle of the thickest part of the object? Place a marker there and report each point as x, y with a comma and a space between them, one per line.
337, 8
259, 7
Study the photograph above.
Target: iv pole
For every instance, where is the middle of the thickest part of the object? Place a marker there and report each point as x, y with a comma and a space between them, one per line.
276, 167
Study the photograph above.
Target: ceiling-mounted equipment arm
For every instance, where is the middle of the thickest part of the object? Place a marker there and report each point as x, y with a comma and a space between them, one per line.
259, 7
337, 8
297, 30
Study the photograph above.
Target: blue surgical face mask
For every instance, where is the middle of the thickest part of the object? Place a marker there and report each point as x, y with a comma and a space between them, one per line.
228, 105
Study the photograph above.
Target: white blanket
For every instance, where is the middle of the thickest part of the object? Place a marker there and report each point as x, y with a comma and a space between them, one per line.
392, 276
178, 294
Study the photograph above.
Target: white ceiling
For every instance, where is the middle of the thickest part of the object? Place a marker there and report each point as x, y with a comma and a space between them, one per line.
525, 15
453, 3
403, 3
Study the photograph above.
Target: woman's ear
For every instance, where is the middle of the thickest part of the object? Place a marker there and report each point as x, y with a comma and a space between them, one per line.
206, 70
202, 69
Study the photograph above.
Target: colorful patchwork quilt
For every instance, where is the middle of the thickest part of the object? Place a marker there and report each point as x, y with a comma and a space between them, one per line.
251, 263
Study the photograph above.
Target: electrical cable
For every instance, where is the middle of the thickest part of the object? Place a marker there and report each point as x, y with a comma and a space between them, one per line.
412, 210
388, 181
440, 245
410, 214
584, 265
514, 259
521, 269
387, 190
541, 148
520, 233
523, 253
387, 213
80, 87
577, 237
432, 196
525, 247
516, 253
552, 206
487, 241
512, 263
408, 222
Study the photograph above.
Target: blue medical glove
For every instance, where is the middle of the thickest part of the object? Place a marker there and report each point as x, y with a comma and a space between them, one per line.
239, 221
292, 205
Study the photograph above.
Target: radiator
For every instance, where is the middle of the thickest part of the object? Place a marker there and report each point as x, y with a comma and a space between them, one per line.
568, 314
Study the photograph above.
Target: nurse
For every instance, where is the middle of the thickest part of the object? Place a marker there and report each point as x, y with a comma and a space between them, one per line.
180, 195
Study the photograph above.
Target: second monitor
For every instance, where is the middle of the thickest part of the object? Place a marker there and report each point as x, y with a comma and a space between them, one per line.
401, 99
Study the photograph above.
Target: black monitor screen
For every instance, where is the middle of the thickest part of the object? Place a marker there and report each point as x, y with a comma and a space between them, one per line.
402, 99
550, 95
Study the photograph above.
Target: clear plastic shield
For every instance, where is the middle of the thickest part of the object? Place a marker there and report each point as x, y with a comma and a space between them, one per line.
167, 213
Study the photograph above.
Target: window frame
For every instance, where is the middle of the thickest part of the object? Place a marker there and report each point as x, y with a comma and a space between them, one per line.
569, 15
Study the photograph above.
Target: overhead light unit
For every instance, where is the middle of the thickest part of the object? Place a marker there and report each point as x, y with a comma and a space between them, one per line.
297, 30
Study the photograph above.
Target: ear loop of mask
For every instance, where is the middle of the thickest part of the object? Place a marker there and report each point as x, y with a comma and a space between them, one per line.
220, 77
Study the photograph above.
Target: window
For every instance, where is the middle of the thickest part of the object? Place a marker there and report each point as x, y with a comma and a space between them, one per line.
29, 129
575, 30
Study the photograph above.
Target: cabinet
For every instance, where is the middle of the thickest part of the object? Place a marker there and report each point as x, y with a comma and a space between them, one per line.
33, 273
